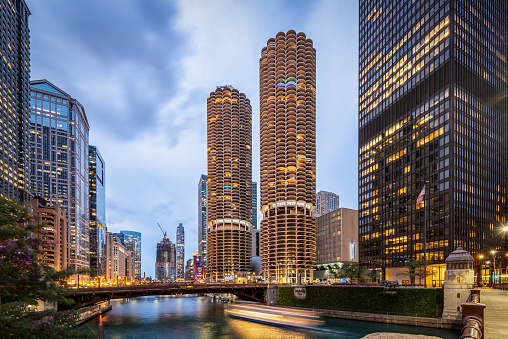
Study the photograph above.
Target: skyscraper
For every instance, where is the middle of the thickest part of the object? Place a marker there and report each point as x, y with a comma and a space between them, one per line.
432, 117
180, 252
326, 202
165, 264
59, 161
131, 236
288, 153
254, 211
229, 130
202, 216
14, 99
97, 185
54, 220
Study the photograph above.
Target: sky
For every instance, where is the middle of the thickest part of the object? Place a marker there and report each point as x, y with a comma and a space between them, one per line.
143, 70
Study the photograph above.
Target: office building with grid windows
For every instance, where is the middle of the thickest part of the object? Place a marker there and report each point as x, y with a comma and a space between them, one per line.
229, 139
432, 113
98, 229
14, 100
287, 79
326, 202
134, 237
59, 161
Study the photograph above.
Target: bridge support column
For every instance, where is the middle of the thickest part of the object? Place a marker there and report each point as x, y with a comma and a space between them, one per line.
272, 296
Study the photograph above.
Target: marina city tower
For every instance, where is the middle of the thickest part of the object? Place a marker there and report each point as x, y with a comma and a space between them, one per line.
287, 70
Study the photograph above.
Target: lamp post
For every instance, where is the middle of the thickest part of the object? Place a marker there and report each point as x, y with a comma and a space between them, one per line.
479, 271
494, 275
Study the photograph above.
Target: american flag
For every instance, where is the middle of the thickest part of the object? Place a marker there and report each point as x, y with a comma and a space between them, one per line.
420, 196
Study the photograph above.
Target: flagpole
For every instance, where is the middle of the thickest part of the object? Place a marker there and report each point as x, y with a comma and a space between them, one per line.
425, 241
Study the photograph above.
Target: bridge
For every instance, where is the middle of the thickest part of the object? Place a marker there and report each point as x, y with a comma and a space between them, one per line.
88, 296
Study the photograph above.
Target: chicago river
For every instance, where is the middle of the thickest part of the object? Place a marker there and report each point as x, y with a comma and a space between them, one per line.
202, 317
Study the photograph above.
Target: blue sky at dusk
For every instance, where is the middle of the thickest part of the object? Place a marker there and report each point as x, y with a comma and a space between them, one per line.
143, 71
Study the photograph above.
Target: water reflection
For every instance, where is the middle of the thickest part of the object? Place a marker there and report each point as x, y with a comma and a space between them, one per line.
201, 317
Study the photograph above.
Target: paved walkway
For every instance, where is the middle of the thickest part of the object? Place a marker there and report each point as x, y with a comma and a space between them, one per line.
496, 312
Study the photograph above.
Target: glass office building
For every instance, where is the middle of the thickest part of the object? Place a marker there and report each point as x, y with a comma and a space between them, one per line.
326, 202
432, 113
14, 99
202, 216
97, 185
59, 161
135, 237
180, 252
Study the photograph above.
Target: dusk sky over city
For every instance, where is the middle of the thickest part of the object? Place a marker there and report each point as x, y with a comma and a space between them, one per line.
143, 71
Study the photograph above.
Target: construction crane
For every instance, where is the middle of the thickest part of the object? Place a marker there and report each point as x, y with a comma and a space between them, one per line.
163, 232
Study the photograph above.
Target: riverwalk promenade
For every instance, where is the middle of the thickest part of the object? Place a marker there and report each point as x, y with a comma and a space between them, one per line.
496, 307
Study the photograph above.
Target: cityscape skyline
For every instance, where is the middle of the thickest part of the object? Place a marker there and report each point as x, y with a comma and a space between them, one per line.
161, 135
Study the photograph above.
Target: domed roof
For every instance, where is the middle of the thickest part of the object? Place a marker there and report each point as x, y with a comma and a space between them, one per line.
459, 255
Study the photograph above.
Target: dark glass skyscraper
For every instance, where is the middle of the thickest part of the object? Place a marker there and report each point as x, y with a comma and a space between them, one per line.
202, 216
14, 99
97, 184
432, 96
131, 236
180, 252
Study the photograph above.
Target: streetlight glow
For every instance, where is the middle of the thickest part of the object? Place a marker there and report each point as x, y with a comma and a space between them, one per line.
505, 229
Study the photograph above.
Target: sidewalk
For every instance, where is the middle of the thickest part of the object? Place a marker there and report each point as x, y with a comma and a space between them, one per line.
496, 317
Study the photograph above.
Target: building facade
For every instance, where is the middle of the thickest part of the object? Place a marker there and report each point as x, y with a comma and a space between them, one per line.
229, 138
432, 96
202, 216
135, 237
337, 237
254, 211
54, 220
180, 252
97, 187
119, 261
288, 155
59, 161
14, 100
326, 202
165, 264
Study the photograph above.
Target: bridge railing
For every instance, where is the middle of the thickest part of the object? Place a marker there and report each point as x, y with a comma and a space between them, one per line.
473, 317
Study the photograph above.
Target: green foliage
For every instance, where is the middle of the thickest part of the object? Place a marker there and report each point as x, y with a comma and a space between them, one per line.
415, 269
352, 272
25, 281
373, 274
400, 301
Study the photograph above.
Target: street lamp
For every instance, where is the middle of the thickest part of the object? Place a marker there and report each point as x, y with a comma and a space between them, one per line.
494, 276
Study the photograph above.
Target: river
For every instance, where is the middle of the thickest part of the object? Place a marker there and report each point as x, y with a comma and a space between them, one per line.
202, 317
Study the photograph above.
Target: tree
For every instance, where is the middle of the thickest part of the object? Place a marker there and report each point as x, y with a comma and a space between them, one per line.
24, 280
373, 274
415, 268
352, 271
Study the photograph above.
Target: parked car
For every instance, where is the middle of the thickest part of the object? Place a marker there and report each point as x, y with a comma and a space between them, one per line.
389, 283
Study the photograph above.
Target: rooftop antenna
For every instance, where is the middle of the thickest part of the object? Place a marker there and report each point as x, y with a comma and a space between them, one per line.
163, 232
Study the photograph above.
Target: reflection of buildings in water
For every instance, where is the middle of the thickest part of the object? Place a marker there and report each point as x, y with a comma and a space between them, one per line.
245, 329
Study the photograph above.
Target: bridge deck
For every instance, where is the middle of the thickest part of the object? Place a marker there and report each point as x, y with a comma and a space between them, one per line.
88, 296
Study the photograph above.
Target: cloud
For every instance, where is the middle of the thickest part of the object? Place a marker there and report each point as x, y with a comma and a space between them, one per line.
143, 71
